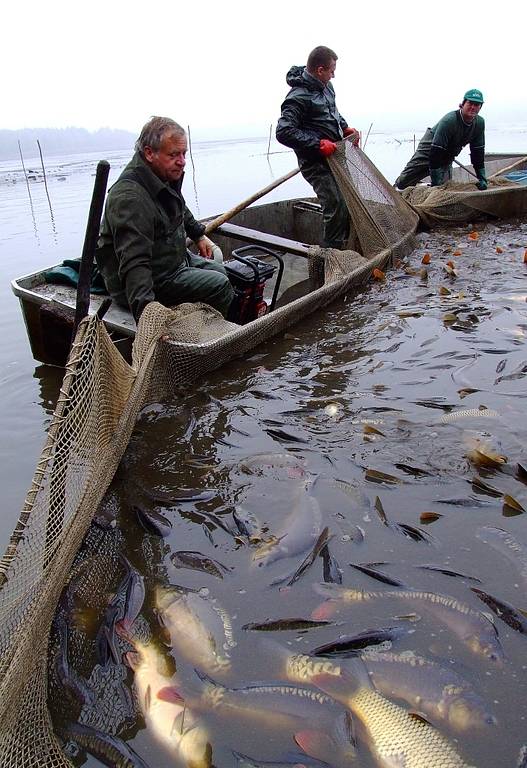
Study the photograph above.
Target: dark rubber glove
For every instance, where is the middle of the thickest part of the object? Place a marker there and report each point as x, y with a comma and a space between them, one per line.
482, 183
327, 147
436, 175
350, 132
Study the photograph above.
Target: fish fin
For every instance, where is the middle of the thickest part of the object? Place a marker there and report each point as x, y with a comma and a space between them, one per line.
343, 686
314, 743
420, 716
171, 694
324, 611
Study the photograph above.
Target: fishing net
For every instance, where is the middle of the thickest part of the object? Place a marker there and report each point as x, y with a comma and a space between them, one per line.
459, 201
62, 548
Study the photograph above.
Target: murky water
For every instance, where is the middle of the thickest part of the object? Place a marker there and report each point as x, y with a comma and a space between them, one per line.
408, 379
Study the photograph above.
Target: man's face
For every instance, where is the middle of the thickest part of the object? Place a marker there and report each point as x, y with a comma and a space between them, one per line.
168, 162
469, 110
324, 74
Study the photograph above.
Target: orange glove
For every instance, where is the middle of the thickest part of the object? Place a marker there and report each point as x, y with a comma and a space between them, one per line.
327, 147
349, 132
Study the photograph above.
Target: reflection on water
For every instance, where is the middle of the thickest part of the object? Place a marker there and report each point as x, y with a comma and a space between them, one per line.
396, 421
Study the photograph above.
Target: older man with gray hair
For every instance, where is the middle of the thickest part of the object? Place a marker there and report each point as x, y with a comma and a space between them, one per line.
142, 252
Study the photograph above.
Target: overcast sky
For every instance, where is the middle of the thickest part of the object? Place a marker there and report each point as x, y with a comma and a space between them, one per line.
220, 66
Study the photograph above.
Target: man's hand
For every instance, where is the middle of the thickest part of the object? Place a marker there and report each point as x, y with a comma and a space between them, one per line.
205, 247
327, 147
354, 133
482, 180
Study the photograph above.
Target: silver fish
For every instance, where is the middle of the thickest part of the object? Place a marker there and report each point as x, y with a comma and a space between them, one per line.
199, 628
428, 687
397, 738
301, 527
472, 627
285, 706
474, 413
504, 542
165, 713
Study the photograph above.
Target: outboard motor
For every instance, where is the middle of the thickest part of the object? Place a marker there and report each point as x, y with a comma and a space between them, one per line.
248, 275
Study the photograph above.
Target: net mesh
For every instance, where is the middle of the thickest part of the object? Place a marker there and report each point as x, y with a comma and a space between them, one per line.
99, 401
459, 202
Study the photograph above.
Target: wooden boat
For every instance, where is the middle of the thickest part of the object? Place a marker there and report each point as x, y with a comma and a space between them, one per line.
289, 228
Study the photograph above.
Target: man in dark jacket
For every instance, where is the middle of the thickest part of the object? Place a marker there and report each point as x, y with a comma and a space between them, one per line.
442, 143
310, 124
142, 252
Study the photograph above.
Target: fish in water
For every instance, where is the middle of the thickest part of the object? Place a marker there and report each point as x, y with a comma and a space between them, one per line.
108, 749
345, 647
428, 687
273, 625
198, 562
504, 542
504, 611
301, 528
249, 525
165, 713
396, 737
199, 628
257, 464
285, 706
472, 627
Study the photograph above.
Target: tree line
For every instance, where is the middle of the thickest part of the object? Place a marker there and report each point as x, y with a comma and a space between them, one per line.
62, 141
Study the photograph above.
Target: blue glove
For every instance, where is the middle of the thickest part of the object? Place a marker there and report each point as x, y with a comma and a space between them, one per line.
482, 183
436, 175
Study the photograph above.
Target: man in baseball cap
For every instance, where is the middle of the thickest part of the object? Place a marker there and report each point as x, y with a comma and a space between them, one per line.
442, 143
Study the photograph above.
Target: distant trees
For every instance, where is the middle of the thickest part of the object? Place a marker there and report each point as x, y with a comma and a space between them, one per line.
62, 141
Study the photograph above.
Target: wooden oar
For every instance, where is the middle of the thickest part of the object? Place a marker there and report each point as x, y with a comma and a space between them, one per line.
217, 222
466, 169
509, 167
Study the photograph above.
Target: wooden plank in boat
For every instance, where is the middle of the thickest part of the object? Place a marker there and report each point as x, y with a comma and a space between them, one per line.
263, 238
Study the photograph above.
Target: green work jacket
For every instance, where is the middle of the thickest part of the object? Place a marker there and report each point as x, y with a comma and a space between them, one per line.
142, 242
451, 134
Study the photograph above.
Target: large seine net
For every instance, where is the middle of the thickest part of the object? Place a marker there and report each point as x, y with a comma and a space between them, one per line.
458, 202
99, 401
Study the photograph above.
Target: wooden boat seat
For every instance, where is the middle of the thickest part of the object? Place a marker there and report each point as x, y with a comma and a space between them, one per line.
263, 238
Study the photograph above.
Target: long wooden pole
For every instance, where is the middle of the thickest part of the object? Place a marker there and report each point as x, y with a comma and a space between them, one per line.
509, 167
466, 169
217, 222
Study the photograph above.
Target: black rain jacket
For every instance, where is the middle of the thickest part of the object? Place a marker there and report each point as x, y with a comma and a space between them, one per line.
309, 113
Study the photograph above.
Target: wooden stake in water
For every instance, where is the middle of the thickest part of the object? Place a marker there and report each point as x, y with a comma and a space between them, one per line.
269, 144
43, 171
24, 168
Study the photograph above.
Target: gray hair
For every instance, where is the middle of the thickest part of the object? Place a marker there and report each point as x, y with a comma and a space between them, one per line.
152, 132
